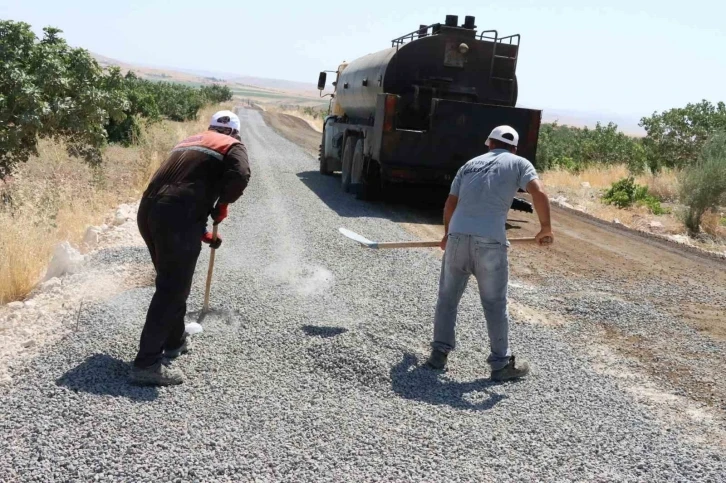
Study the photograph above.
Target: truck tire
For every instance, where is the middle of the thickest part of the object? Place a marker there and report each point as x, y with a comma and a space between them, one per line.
324, 165
345, 172
356, 167
371, 188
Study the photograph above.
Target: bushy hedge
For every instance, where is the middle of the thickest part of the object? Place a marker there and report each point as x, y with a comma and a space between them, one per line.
49, 89
674, 139
574, 148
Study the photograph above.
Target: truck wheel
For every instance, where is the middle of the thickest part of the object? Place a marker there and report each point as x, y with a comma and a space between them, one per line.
356, 169
323, 162
347, 163
324, 169
371, 186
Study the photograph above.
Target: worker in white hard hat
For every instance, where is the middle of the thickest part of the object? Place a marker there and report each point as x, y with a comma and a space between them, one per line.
475, 243
201, 177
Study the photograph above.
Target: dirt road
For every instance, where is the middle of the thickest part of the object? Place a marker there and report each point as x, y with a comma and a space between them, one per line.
310, 368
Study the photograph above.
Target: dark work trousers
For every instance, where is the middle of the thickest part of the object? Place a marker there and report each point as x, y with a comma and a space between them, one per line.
174, 240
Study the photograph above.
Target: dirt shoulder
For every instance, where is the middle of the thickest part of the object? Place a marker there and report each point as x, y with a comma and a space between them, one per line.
295, 129
114, 260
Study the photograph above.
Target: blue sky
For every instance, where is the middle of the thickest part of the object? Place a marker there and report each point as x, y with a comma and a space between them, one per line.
625, 58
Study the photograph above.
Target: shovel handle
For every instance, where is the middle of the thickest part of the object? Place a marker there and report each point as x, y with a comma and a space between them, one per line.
413, 244
434, 244
205, 307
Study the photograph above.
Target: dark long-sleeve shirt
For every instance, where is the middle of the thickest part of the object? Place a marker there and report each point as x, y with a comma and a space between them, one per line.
202, 170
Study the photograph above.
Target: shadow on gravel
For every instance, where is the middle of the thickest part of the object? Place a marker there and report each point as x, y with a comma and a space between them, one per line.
104, 375
324, 332
413, 381
405, 203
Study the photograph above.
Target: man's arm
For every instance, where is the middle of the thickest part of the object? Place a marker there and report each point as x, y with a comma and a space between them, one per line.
449, 209
236, 174
542, 207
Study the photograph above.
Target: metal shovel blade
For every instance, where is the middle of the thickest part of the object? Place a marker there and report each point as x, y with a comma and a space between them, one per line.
359, 238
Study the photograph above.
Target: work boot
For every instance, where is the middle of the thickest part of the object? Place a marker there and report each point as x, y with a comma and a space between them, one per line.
182, 349
160, 374
511, 370
437, 359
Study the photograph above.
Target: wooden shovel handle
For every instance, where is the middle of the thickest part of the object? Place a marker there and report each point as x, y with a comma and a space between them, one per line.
205, 307
413, 244
433, 244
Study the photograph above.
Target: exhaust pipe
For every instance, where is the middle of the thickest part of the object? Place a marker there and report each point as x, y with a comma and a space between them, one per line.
452, 20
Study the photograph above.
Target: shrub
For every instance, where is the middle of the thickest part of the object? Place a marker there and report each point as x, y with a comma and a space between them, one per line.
216, 94
625, 192
703, 184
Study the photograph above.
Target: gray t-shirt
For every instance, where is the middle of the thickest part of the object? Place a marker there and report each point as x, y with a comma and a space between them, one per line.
486, 186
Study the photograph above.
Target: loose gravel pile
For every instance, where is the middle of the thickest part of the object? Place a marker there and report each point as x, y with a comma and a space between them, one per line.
310, 369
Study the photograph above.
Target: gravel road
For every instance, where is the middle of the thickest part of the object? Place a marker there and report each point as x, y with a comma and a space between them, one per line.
309, 369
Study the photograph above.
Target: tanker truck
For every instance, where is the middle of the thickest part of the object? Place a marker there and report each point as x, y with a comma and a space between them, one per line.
417, 111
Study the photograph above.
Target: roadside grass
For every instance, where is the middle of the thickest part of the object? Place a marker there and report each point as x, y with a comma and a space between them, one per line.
54, 198
664, 186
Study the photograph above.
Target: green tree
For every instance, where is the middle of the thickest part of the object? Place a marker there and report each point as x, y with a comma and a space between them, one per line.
675, 137
703, 184
49, 89
576, 148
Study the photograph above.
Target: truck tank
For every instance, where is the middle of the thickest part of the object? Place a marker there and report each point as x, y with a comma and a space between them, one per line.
451, 63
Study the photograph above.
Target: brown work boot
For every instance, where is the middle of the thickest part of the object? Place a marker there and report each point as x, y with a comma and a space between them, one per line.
160, 374
511, 371
437, 359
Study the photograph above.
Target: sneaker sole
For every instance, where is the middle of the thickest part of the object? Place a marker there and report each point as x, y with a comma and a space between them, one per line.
509, 378
146, 382
174, 355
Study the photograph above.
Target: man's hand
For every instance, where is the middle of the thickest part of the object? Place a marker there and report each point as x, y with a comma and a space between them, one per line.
542, 206
219, 212
207, 238
443, 242
545, 237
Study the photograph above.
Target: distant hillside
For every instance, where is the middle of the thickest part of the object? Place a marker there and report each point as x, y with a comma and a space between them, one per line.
278, 84
279, 91
626, 124
257, 89
202, 76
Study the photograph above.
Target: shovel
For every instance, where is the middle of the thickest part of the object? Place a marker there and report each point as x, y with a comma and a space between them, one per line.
414, 244
196, 327
205, 306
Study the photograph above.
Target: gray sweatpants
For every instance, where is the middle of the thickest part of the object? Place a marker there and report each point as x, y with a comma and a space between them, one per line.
486, 259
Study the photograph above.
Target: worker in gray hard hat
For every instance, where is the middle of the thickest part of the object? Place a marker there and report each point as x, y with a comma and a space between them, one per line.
475, 243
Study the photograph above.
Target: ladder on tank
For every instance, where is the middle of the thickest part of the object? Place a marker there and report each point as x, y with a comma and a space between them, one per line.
503, 67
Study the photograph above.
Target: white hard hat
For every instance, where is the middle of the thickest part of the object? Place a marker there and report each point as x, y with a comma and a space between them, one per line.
225, 119
505, 134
